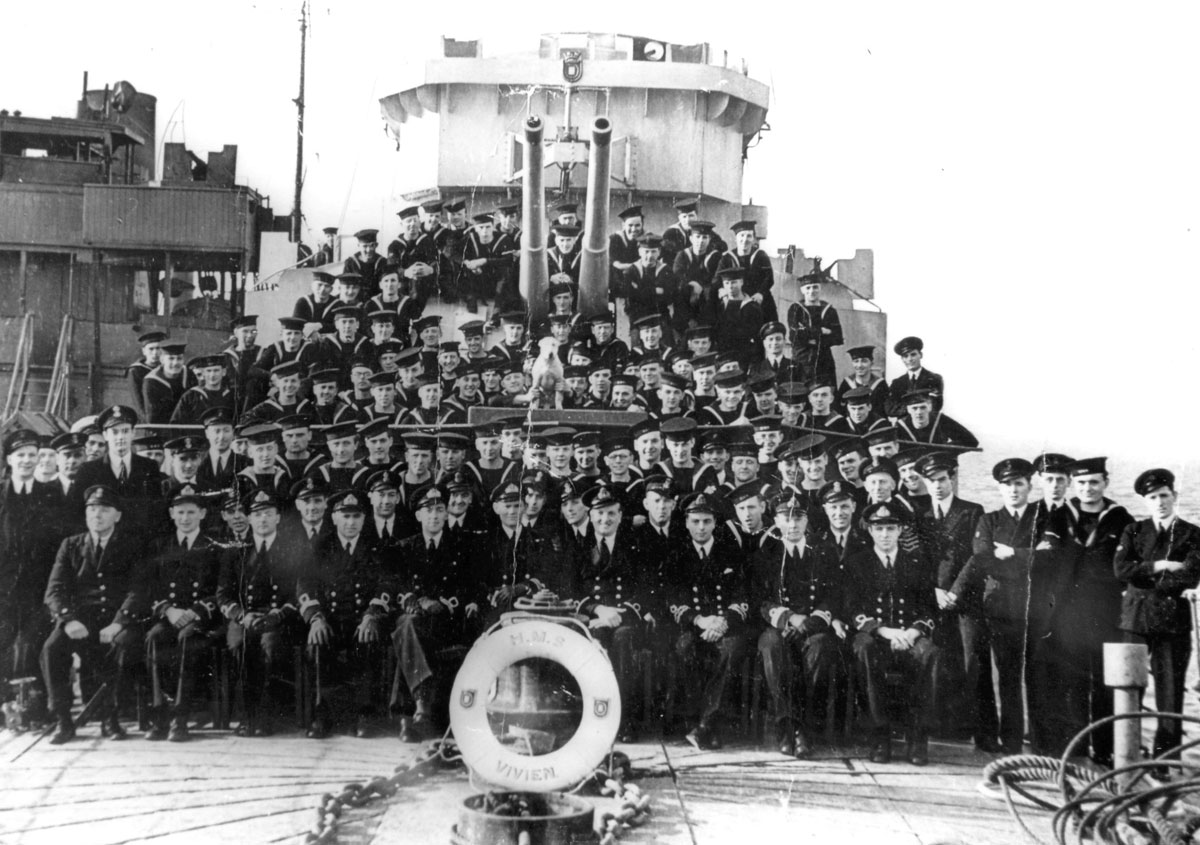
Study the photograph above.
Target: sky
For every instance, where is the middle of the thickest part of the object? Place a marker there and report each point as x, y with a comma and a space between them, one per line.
1026, 173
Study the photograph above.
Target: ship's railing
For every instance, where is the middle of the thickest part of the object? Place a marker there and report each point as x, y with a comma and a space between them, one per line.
16, 386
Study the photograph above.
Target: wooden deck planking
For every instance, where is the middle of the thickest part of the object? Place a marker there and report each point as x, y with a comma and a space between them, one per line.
222, 787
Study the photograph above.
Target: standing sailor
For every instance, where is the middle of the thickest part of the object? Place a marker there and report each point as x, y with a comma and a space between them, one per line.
1157, 559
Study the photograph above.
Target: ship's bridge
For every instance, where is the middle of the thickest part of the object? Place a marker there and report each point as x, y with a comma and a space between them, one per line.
683, 116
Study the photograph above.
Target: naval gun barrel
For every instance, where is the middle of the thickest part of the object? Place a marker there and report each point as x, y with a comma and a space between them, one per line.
534, 273
594, 267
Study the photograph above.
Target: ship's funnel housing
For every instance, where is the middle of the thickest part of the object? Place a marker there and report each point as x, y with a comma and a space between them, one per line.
534, 279
593, 270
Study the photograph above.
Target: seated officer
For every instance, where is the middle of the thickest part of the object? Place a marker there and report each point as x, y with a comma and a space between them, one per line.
891, 605
352, 595
177, 589
605, 586
257, 592
796, 590
1157, 560
91, 576
706, 594
439, 598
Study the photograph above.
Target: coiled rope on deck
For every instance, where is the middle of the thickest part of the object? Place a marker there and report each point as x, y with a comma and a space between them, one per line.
1123, 806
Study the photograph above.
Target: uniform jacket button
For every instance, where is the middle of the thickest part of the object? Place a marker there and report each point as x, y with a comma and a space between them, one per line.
172, 584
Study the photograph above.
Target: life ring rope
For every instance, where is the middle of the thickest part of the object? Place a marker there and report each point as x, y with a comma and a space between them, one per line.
586, 661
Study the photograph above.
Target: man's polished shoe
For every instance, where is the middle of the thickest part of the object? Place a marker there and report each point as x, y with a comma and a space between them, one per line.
158, 733
179, 732
703, 739
65, 732
362, 728
319, 729
409, 730
245, 728
110, 728
787, 746
918, 749
881, 750
987, 745
803, 746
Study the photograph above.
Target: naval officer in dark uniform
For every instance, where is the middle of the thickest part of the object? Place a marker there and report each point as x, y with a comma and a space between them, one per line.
176, 591
353, 596
258, 593
891, 605
706, 590
1157, 559
912, 351
995, 583
796, 589
88, 585
29, 537
439, 601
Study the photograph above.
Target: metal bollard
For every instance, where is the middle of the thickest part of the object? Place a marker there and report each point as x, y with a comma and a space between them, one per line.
1126, 670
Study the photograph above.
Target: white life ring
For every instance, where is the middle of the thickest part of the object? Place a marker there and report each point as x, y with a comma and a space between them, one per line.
560, 769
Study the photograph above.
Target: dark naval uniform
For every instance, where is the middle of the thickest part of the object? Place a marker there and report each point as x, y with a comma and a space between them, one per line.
355, 594
1154, 611
700, 583
371, 269
897, 593
89, 584
136, 374
440, 608
760, 278
258, 593
812, 346
310, 311
607, 573
948, 540
177, 577
924, 380
160, 393
997, 592
140, 489
797, 581
28, 540
1090, 614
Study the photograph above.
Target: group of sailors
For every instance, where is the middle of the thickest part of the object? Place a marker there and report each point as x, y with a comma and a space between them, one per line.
334, 495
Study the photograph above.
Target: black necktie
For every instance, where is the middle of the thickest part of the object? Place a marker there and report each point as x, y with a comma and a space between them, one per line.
432, 547
349, 549
385, 535
124, 476
703, 554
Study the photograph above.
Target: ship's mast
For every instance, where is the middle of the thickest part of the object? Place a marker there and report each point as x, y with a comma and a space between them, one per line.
299, 101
